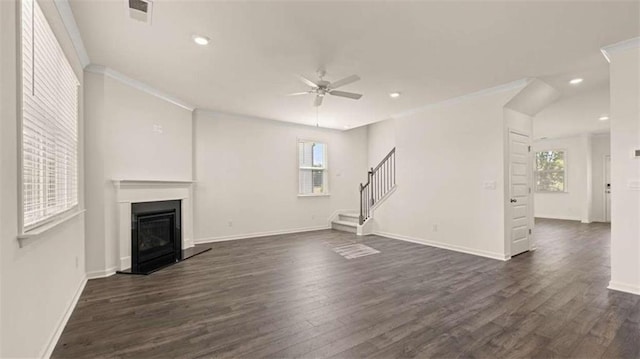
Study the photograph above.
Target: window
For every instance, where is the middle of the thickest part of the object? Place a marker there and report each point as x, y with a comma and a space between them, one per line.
49, 122
312, 161
550, 171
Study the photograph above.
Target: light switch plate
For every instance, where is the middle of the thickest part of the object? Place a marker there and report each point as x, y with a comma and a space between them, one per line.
489, 185
634, 185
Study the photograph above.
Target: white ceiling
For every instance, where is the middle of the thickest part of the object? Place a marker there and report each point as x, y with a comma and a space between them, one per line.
429, 51
574, 114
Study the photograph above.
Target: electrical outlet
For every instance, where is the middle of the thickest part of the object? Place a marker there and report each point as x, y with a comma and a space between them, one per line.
157, 128
435, 228
77, 262
230, 223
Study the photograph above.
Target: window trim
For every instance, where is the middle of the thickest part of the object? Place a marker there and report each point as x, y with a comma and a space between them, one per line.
324, 168
565, 170
39, 228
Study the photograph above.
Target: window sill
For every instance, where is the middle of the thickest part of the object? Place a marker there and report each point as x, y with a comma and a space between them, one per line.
315, 195
35, 233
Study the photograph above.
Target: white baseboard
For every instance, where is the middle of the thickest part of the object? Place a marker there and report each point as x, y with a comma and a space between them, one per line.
62, 323
623, 287
557, 217
455, 248
260, 234
102, 273
366, 228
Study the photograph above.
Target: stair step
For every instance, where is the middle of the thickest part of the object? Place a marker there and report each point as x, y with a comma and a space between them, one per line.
350, 214
346, 223
349, 217
345, 226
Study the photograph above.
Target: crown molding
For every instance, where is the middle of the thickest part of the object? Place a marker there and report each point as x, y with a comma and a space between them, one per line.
139, 85
619, 46
519, 84
64, 9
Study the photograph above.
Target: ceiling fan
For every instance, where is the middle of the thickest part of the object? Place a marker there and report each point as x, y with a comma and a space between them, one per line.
322, 87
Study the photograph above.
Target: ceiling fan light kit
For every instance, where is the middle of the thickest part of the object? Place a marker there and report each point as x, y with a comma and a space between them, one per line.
322, 87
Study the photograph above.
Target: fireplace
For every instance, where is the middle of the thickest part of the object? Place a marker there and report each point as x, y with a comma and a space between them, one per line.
155, 224
156, 235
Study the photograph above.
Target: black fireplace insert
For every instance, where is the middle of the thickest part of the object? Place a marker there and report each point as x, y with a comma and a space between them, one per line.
156, 235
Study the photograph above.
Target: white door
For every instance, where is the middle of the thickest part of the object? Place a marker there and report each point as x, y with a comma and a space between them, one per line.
607, 188
520, 195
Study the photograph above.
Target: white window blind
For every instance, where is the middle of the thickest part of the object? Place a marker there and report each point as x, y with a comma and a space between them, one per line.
49, 122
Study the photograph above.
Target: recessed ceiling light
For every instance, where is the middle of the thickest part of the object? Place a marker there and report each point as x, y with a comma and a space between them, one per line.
603, 118
394, 94
576, 81
200, 40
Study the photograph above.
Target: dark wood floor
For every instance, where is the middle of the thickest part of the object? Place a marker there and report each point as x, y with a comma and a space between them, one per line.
291, 296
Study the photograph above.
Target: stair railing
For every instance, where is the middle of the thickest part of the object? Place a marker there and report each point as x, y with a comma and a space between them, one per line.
380, 180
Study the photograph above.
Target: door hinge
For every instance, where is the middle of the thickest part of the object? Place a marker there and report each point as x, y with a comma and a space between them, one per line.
529, 148
529, 189
529, 230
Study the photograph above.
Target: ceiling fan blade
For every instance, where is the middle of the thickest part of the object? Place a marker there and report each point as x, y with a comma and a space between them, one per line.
344, 81
355, 96
318, 101
308, 82
299, 93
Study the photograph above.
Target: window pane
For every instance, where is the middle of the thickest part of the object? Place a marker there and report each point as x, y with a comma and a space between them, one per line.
550, 181
318, 155
312, 182
550, 171
312, 161
550, 161
318, 181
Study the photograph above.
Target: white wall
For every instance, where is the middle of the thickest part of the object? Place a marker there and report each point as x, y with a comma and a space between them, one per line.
444, 156
381, 140
584, 199
246, 173
600, 147
572, 203
625, 170
39, 281
125, 142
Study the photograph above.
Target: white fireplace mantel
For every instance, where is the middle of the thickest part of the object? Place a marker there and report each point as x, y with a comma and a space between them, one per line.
133, 182
130, 191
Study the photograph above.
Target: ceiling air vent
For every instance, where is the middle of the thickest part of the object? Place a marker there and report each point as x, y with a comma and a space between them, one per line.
139, 10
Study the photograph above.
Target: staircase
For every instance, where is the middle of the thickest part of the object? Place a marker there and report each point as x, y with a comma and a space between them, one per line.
381, 182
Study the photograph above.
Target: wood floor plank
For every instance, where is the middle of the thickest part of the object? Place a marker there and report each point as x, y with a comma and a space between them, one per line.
293, 296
